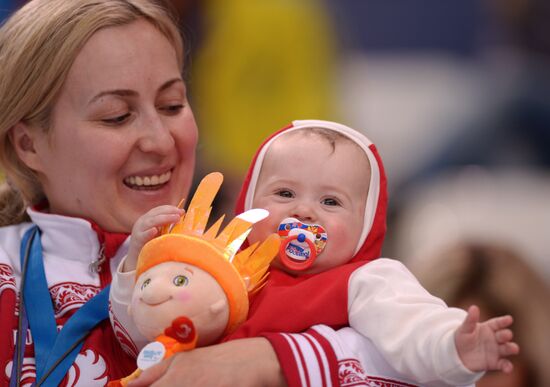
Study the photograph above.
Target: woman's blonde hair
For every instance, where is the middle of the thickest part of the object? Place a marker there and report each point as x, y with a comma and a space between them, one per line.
38, 45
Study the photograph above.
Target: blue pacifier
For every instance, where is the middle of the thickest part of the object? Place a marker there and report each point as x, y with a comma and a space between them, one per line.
301, 243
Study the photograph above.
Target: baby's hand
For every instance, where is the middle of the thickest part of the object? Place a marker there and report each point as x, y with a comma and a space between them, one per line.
485, 346
146, 228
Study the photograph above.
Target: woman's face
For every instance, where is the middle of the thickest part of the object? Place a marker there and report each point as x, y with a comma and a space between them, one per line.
123, 135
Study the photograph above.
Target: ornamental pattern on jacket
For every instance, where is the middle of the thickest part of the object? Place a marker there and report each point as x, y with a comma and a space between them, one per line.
70, 245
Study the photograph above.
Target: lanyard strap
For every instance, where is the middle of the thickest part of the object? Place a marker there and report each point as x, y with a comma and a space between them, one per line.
54, 352
71, 338
38, 303
23, 323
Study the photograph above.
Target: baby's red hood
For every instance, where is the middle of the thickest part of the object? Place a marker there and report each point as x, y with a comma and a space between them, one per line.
374, 225
295, 303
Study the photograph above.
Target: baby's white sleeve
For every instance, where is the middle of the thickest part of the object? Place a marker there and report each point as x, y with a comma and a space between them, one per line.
120, 297
412, 329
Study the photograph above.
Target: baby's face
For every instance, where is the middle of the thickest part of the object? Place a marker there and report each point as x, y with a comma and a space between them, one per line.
303, 178
173, 289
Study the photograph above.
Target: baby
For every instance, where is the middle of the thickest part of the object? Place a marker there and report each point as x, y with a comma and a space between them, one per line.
324, 187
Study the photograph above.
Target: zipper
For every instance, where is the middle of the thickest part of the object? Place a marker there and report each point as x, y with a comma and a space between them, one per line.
95, 266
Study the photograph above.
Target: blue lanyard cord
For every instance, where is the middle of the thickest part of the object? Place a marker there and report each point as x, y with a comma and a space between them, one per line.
23, 323
54, 352
71, 338
38, 306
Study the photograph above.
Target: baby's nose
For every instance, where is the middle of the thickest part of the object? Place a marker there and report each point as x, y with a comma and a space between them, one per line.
304, 213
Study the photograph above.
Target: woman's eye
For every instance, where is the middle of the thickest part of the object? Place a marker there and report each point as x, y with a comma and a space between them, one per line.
118, 120
145, 283
172, 109
330, 202
180, 280
285, 193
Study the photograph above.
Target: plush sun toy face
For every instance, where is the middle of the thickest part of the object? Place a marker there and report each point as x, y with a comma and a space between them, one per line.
174, 289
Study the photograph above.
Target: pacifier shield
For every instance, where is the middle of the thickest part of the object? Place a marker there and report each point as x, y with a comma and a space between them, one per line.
302, 243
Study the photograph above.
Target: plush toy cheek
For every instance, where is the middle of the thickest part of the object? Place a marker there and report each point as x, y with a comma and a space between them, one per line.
183, 295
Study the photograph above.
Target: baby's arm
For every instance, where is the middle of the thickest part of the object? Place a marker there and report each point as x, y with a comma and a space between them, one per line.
485, 346
413, 330
146, 228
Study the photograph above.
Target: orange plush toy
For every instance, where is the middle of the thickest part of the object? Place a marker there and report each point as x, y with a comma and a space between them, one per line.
192, 287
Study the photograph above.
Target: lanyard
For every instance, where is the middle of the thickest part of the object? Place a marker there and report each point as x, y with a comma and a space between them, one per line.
54, 352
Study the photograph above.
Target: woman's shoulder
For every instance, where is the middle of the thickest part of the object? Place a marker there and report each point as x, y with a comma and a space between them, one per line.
10, 244
11, 235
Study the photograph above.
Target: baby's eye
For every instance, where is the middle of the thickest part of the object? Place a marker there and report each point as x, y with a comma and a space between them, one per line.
180, 280
285, 193
330, 202
145, 283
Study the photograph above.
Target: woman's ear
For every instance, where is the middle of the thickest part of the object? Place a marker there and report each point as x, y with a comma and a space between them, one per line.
23, 139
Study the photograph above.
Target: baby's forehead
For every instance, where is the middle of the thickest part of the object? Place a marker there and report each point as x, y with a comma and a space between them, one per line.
322, 136
330, 136
308, 145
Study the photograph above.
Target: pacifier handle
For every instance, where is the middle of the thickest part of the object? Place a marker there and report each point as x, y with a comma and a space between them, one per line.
292, 264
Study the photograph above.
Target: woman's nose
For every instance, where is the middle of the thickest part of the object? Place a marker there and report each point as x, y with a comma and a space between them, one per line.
155, 136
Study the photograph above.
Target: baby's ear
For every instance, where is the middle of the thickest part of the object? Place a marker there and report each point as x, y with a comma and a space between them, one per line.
218, 306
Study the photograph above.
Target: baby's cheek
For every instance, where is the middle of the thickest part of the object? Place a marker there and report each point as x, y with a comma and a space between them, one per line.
183, 295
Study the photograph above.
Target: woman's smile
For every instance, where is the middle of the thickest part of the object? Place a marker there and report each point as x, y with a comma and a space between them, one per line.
148, 182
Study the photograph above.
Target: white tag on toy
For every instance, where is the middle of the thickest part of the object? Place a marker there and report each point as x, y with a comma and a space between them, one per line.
151, 354
302, 243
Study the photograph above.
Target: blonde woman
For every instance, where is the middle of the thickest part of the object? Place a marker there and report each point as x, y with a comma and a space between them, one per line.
95, 129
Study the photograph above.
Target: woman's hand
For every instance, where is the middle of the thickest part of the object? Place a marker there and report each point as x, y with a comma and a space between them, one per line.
245, 362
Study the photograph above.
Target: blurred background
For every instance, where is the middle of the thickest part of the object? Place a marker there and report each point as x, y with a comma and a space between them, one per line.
456, 95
